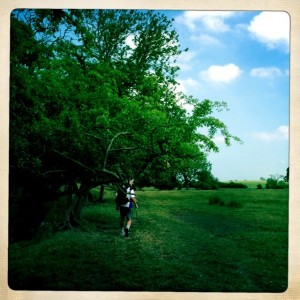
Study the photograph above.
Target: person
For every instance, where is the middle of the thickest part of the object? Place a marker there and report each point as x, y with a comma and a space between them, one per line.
126, 209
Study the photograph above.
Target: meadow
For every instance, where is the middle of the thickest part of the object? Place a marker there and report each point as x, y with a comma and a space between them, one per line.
179, 241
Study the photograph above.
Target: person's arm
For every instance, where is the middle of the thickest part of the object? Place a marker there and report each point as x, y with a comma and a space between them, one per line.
133, 199
117, 206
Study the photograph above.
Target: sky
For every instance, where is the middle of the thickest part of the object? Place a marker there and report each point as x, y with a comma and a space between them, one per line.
242, 58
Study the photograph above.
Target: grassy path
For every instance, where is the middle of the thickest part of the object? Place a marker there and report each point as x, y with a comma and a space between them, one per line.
177, 243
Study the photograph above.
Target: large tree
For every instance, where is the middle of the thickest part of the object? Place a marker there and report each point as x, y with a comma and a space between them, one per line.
93, 100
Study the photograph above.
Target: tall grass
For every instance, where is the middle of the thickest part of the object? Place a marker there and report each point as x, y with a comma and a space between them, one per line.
178, 242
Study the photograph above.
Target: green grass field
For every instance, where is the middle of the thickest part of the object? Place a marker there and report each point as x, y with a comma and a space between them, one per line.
178, 242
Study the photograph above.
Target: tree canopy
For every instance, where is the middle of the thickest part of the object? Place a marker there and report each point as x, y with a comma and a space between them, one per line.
93, 100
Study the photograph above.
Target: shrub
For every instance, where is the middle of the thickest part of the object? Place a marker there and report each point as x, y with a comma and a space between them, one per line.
232, 185
215, 200
259, 186
234, 203
206, 186
205, 181
276, 182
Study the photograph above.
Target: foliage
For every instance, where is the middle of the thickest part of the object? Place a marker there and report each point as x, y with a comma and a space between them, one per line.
93, 101
276, 182
287, 176
206, 181
259, 186
251, 184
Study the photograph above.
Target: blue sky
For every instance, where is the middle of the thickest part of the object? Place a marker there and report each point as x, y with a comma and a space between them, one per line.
242, 58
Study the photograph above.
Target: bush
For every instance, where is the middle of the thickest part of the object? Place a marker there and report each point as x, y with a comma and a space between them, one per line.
234, 203
232, 185
205, 181
259, 186
205, 185
215, 200
276, 182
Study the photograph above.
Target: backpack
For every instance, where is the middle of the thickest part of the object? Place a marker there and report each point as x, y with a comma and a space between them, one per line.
121, 197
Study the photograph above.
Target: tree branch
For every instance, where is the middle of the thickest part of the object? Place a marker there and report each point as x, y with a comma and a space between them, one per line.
53, 171
124, 149
109, 147
111, 173
73, 160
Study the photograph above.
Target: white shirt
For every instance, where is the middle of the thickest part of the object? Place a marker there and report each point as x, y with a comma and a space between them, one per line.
130, 195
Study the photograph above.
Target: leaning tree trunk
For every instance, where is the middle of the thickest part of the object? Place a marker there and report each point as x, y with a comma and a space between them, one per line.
75, 204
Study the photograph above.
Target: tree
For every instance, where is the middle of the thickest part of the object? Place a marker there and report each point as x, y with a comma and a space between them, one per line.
93, 101
276, 182
287, 176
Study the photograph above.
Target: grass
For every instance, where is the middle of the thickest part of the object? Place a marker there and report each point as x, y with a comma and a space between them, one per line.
178, 242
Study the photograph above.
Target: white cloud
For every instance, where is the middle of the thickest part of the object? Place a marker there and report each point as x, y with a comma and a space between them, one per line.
219, 139
185, 60
186, 106
181, 102
190, 82
281, 133
185, 84
180, 88
211, 20
221, 74
266, 72
205, 39
130, 41
284, 131
271, 29
170, 43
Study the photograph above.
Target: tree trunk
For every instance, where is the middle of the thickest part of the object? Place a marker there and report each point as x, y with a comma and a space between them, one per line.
75, 204
101, 193
186, 181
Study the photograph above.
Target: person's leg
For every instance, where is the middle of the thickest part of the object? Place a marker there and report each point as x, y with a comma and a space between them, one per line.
128, 224
122, 219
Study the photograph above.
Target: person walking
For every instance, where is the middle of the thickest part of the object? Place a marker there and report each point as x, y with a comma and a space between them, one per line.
126, 207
